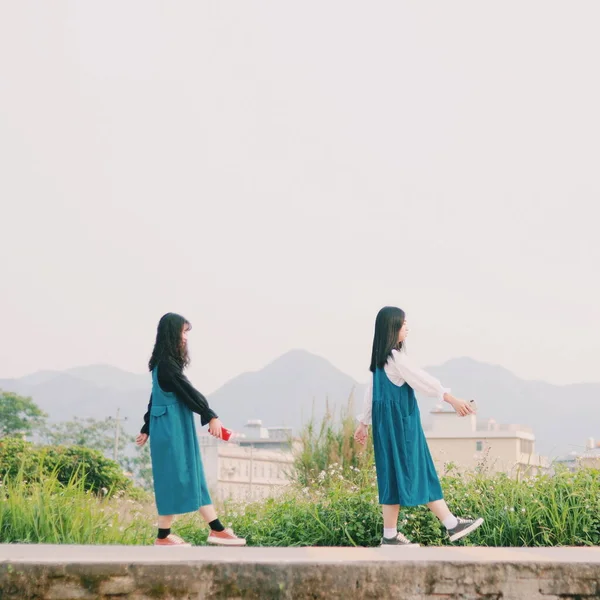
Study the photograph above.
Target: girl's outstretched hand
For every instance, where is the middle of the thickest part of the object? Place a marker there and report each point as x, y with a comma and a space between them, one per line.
462, 407
214, 428
141, 439
360, 435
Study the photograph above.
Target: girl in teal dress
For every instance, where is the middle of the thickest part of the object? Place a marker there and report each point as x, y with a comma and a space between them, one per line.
405, 471
179, 482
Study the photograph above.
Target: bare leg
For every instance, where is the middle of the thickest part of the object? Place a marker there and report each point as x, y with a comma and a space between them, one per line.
208, 513
440, 509
165, 521
390, 515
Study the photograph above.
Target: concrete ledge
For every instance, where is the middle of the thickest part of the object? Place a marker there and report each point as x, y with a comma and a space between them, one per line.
142, 573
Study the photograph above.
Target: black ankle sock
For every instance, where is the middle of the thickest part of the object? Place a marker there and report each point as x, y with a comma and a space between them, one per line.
216, 525
163, 533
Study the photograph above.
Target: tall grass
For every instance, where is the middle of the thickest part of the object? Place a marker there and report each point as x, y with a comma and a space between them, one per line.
330, 442
51, 512
563, 510
332, 502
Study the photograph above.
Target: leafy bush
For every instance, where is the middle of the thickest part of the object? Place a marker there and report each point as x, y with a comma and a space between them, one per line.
562, 510
19, 458
333, 502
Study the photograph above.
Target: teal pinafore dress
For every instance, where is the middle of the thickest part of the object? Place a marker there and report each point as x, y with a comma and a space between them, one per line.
179, 482
406, 474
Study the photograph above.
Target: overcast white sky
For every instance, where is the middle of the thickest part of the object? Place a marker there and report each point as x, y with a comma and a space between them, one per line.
278, 171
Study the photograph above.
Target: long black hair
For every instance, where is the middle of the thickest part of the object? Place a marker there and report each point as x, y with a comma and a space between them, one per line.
169, 344
388, 324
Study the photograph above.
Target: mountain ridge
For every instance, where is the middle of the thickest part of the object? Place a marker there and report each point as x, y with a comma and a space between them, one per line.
298, 384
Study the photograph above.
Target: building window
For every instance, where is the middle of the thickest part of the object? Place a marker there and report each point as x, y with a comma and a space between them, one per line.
479, 446
526, 446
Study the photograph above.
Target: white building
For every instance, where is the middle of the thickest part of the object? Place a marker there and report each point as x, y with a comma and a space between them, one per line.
497, 448
590, 457
250, 466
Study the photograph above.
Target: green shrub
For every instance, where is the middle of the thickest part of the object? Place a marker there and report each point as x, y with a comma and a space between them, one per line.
563, 510
35, 463
17, 457
333, 501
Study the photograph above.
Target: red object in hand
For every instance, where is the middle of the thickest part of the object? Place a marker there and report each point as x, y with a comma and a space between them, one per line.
225, 433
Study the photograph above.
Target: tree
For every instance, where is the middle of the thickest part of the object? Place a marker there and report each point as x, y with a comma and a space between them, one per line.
23, 463
18, 414
91, 433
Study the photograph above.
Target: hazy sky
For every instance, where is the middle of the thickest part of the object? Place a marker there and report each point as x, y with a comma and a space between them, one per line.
278, 171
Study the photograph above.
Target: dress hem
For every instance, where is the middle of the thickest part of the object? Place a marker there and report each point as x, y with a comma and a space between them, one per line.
184, 512
410, 504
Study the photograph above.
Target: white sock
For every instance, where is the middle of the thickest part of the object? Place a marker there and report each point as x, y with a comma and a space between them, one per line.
390, 533
450, 522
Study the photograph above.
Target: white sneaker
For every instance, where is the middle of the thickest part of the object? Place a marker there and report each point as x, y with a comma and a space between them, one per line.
398, 540
464, 528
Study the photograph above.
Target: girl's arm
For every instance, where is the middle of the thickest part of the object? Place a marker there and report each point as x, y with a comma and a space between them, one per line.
146, 428
419, 380
180, 385
365, 417
423, 382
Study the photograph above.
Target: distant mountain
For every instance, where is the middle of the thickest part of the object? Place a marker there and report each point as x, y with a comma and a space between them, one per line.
111, 377
95, 391
299, 384
286, 392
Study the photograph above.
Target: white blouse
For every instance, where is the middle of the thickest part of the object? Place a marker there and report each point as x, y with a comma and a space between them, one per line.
400, 370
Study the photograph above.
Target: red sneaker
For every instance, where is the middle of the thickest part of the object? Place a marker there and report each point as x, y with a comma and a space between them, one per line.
171, 540
225, 538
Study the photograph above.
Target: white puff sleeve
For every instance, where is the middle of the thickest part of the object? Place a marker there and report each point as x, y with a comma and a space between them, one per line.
365, 417
419, 380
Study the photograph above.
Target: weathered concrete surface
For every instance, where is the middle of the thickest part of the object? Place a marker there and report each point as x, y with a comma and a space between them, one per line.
143, 573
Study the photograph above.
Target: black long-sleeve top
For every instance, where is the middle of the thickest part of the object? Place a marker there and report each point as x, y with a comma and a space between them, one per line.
172, 379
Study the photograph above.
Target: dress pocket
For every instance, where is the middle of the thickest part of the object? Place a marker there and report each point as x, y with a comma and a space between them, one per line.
158, 411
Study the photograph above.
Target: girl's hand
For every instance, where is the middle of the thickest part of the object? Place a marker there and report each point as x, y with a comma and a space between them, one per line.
214, 428
141, 439
360, 435
462, 407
